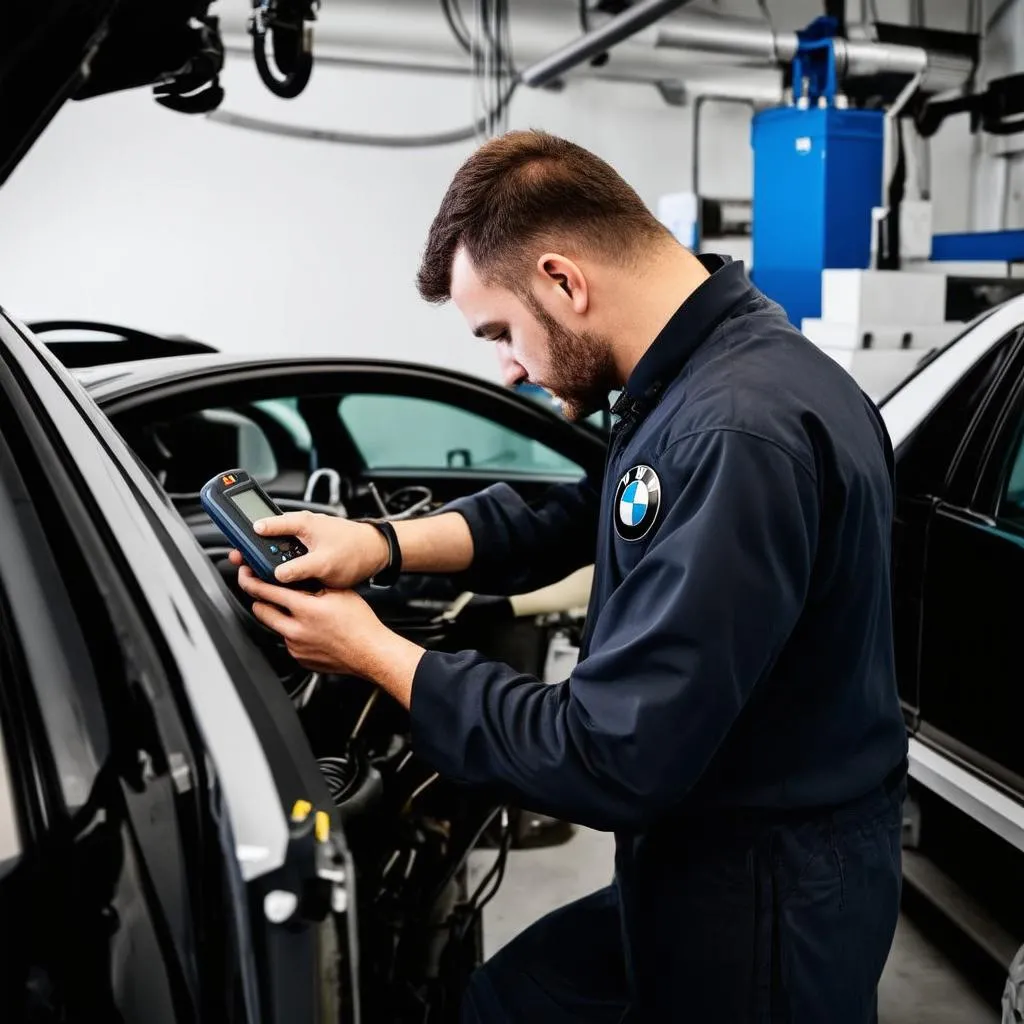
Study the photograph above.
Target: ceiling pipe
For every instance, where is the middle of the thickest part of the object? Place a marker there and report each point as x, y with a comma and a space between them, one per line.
752, 41
631, 21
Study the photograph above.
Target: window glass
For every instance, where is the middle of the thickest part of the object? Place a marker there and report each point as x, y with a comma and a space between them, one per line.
926, 457
601, 419
184, 452
400, 432
1012, 504
254, 451
286, 412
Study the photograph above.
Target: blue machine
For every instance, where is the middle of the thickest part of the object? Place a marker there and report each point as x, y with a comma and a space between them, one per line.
817, 177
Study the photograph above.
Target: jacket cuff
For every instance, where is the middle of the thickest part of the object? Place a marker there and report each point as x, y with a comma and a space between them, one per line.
436, 686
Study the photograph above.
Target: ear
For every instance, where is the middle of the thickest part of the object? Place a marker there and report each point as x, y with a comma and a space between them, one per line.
564, 280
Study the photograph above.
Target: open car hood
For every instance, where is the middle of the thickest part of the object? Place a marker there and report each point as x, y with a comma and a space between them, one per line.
55, 50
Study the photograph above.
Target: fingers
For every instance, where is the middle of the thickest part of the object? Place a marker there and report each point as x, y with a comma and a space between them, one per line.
262, 591
288, 524
235, 558
275, 619
306, 567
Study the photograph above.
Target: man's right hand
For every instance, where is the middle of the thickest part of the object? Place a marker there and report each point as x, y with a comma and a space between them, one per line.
341, 555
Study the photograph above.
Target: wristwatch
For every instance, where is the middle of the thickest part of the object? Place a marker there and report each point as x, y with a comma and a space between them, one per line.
388, 576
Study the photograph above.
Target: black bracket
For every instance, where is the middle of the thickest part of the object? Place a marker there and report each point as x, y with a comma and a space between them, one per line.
999, 110
285, 22
196, 88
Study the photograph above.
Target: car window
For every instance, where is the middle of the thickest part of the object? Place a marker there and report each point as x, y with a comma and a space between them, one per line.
601, 419
925, 458
286, 412
402, 432
186, 451
1012, 504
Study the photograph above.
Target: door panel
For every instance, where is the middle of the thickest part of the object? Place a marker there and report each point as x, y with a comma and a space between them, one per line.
973, 638
972, 676
954, 434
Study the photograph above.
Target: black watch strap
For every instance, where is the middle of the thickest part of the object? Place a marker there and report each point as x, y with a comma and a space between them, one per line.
388, 576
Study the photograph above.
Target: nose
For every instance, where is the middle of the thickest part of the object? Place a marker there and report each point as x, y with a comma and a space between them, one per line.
512, 372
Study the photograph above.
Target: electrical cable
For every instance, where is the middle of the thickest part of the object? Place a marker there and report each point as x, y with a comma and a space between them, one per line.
457, 24
367, 708
495, 874
873, 5
584, 16
493, 69
997, 14
260, 124
418, 790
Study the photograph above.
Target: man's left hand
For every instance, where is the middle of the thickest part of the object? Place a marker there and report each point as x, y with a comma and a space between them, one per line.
334, 631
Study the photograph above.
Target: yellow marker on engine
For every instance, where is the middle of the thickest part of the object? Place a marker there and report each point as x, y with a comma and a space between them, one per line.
323, 826
301, 809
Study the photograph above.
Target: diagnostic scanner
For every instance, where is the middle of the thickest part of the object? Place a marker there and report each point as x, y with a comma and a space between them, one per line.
234, 501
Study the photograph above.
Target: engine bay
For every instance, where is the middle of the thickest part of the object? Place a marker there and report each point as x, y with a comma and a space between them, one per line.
410, 832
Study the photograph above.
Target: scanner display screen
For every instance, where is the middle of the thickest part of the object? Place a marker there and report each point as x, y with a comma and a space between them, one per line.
252, 505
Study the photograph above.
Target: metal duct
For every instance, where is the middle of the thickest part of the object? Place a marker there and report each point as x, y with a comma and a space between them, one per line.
939, 71
633, 20
756, 43
729, 37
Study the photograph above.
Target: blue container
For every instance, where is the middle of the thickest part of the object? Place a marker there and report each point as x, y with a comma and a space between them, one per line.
817, 177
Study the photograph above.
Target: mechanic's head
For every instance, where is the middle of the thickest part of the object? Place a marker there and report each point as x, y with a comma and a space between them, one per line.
543, 247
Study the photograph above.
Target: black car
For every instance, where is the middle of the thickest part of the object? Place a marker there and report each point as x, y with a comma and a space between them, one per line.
958, 429
191, 826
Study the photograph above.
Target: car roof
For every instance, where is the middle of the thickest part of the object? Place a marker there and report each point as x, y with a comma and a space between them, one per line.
115, 380
914, 398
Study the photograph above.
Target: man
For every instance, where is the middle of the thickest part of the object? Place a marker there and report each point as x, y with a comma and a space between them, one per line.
733, 717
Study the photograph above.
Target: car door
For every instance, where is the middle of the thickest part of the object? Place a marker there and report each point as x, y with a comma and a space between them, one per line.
971, 697
207, 758
925, 460
105, 891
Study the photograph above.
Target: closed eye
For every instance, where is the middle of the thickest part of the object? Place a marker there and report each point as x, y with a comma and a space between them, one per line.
493, 331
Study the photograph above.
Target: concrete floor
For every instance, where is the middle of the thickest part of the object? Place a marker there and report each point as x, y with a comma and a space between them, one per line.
919, 986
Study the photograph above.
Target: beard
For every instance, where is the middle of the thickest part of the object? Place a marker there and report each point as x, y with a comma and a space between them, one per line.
580, 371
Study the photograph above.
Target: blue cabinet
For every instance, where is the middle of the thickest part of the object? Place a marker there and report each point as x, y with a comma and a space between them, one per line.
817, 177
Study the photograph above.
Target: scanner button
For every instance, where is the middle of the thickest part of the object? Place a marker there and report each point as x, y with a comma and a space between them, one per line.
284, 558
273, 549
284, 545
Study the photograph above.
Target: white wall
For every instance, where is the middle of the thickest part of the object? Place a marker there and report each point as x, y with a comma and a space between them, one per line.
129, 212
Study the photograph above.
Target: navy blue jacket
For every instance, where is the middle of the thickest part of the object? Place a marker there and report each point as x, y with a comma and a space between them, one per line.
738, 651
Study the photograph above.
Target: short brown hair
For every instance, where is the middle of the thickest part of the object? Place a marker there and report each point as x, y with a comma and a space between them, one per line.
526, 187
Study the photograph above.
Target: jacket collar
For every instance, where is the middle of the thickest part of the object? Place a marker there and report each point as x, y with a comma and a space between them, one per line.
702, 311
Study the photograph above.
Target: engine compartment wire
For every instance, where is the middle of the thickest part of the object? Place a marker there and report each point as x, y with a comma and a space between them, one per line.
367, 708
407, 807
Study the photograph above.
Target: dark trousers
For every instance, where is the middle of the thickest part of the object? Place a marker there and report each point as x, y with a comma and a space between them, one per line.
789, 923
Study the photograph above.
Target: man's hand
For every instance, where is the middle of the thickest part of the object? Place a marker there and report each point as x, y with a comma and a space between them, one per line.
341, 553
335, 631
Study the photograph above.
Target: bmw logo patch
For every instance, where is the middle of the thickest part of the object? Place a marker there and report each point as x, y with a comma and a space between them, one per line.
637, 500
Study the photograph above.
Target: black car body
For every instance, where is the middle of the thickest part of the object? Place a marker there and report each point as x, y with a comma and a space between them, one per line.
194, 827
958, 430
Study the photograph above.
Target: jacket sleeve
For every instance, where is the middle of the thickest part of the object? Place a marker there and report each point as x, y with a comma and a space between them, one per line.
518, 547
677, 650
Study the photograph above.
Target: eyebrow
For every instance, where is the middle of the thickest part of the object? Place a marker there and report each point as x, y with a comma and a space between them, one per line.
489, 329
